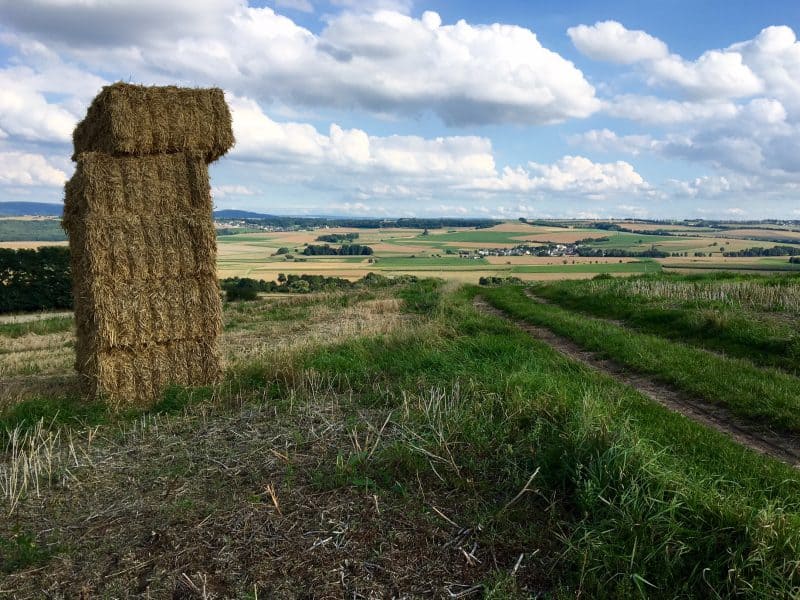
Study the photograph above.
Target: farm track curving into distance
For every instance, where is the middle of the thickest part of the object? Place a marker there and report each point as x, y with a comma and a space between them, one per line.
781, 446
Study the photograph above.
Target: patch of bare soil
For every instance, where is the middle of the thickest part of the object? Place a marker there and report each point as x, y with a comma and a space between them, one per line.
781, 446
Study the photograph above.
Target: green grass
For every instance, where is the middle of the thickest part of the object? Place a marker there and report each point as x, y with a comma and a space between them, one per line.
642, 266
760, 395
406, 262
641, 502
766, 338
733, 267
628, 241
22, 552
38, 327
67, 410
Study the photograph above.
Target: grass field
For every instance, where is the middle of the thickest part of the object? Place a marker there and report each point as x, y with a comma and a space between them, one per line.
753, 318
398, 441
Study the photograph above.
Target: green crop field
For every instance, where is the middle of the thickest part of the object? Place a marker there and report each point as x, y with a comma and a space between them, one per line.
643, 266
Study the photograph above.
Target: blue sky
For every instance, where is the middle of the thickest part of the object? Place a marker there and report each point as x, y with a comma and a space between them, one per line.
669, 109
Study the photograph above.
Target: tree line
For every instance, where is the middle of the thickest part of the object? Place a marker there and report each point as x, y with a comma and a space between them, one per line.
774, 251
245, 288
345, 250
620, 253
338, 238
35, 279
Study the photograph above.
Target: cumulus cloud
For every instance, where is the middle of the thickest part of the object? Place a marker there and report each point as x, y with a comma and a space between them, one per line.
411, 167
660, 111
716, 74
446, 158
571, 174
83, 23
221, 191
607, 141
24, 112
21, 168
610, 41
383, 61
774, 54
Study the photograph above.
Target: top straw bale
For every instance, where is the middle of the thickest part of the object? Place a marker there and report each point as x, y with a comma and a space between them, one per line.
136, 120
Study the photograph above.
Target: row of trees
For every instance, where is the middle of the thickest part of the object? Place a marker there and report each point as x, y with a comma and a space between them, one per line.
346, 250
774, 251
620, 253
244, 288
338, 238
35, 279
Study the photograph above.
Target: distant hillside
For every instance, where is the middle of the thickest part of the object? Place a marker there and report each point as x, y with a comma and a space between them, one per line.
239, 214
24, 209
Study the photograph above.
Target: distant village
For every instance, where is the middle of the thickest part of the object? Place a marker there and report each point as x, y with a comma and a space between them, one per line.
523, 250
246, 226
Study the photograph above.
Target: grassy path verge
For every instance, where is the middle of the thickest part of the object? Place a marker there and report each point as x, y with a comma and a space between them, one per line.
785, 448
645, 502
762, 396
761, 337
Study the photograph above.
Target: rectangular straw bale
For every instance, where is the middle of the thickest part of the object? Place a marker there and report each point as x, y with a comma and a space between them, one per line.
130, 376
130, 313
139, 120
144, 247
161, 185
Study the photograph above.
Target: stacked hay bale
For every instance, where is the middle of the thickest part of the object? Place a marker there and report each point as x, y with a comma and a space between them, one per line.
138, 215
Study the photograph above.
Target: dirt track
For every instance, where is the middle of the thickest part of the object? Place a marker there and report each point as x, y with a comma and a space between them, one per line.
783, 447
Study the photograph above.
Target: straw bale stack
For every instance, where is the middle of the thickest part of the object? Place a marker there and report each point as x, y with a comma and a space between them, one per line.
138, 214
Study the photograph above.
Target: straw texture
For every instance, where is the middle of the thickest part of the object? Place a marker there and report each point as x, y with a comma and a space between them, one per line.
143, 245
140, 120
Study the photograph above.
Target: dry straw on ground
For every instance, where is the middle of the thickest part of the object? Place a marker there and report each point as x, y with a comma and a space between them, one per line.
138, 214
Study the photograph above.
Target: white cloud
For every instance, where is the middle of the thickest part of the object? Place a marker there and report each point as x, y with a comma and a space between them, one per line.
607, 141
403, 6
610, 41
24, 112
774, 54
83, 23
383, 61
571, 174
659, 111
353, 150
301, 5
222, 191
716, 74
21, 168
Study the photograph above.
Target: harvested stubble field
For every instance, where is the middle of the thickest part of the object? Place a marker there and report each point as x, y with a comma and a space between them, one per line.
392, 442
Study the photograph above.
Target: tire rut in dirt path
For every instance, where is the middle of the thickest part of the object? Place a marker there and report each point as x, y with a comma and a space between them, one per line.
781, 446
548, 302
618, 323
